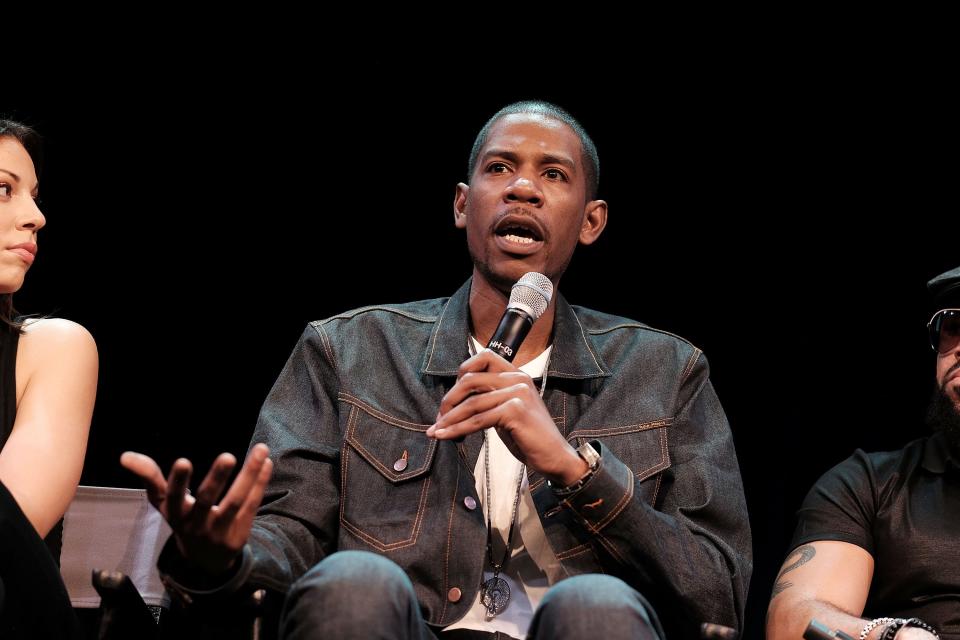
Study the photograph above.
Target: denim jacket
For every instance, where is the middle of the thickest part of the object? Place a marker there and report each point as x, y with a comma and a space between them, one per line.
345, 424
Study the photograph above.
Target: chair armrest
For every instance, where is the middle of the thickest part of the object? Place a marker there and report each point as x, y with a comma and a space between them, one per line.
124, 613
243, 616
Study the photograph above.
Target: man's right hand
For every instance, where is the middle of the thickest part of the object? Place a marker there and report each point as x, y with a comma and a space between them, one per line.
208, 534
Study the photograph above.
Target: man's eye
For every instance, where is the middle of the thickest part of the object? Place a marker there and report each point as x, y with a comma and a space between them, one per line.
5, 189
951, 327
497, 167
555, 174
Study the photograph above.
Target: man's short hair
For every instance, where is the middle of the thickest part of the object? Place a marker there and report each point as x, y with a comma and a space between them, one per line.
589, 157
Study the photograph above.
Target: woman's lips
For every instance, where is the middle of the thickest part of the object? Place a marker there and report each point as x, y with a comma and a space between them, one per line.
25, 255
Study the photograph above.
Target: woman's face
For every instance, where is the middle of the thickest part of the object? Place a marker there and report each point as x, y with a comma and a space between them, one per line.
20, 218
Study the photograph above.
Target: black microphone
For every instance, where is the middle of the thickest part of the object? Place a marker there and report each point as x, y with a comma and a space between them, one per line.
529, 298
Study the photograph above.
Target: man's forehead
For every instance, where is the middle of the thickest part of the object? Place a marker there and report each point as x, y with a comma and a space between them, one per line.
555, 133
526, 124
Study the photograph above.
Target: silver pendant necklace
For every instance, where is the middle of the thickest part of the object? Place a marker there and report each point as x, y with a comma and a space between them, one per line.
495, 592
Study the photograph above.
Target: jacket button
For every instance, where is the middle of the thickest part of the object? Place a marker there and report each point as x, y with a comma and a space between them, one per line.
454, 594
400, 464
470, 503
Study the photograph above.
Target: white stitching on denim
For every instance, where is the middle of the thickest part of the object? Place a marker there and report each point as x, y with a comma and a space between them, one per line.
385, 471
687, 370
621, 430
622, 325
609, 546
344, 448
446, 556
642, 327
620, 506
462, 455
575, 551
391, 546
587, 343
391, 475
436, 330
664, 459
325, 341
574, 376
344, 466
656, 490
350, 315
386, 417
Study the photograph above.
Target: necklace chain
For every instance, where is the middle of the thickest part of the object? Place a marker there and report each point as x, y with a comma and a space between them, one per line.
495, 593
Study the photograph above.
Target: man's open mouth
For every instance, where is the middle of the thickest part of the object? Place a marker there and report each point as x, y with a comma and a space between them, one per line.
519, 230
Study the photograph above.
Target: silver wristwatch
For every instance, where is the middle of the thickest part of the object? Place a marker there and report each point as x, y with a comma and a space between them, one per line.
592, 458
589, 454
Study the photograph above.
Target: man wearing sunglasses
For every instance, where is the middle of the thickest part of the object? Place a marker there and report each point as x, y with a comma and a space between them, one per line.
876, 550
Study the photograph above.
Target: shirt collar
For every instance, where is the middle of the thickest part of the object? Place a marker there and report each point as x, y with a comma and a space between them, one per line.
572, 357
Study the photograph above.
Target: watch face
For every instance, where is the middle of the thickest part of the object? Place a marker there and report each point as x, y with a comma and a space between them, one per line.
588, 453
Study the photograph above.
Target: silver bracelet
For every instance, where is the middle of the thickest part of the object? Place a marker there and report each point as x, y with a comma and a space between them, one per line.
920, 624
873, 624
592, 458
563, 492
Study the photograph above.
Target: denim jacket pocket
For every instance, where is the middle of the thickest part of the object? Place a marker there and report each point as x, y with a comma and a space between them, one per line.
384, 477
642, 447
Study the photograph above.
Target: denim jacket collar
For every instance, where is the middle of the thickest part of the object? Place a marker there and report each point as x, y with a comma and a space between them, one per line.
572, 355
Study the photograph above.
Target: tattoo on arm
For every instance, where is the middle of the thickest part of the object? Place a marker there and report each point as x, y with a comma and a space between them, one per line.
804, 555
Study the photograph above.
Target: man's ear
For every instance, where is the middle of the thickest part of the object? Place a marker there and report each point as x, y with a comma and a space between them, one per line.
594, 221
460, 206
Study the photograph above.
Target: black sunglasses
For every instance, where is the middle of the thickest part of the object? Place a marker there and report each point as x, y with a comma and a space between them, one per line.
944, 330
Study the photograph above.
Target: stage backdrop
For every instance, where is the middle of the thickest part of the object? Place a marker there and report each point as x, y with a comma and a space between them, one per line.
786, 226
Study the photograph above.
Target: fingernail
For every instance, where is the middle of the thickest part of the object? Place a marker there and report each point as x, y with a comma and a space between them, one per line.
431, 430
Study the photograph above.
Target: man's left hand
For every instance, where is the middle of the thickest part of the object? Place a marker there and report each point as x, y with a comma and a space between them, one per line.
491, 392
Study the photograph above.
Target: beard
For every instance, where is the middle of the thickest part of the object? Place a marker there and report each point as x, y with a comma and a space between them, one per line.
943, 415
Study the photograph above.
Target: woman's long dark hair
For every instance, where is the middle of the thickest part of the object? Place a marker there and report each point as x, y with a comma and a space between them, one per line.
30, 140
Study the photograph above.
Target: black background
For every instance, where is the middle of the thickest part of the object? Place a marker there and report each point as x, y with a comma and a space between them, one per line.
783, 215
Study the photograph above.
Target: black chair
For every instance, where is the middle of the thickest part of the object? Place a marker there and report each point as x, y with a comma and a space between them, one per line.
124, 615
111, 540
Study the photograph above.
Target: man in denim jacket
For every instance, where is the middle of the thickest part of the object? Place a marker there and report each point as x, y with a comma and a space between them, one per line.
611, 475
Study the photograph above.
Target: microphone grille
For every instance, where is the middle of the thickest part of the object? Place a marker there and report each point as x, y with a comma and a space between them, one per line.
532, 293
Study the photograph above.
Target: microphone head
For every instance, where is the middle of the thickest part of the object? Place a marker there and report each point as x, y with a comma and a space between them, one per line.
531, 294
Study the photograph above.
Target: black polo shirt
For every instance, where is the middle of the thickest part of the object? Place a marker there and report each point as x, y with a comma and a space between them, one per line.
903, 507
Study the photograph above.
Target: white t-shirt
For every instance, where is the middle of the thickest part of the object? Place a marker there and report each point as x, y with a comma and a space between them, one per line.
533, 567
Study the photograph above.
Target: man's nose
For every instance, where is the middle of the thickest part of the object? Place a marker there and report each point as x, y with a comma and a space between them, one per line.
523, 189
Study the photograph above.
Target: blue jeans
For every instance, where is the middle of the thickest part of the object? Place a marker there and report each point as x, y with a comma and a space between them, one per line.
358, 594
